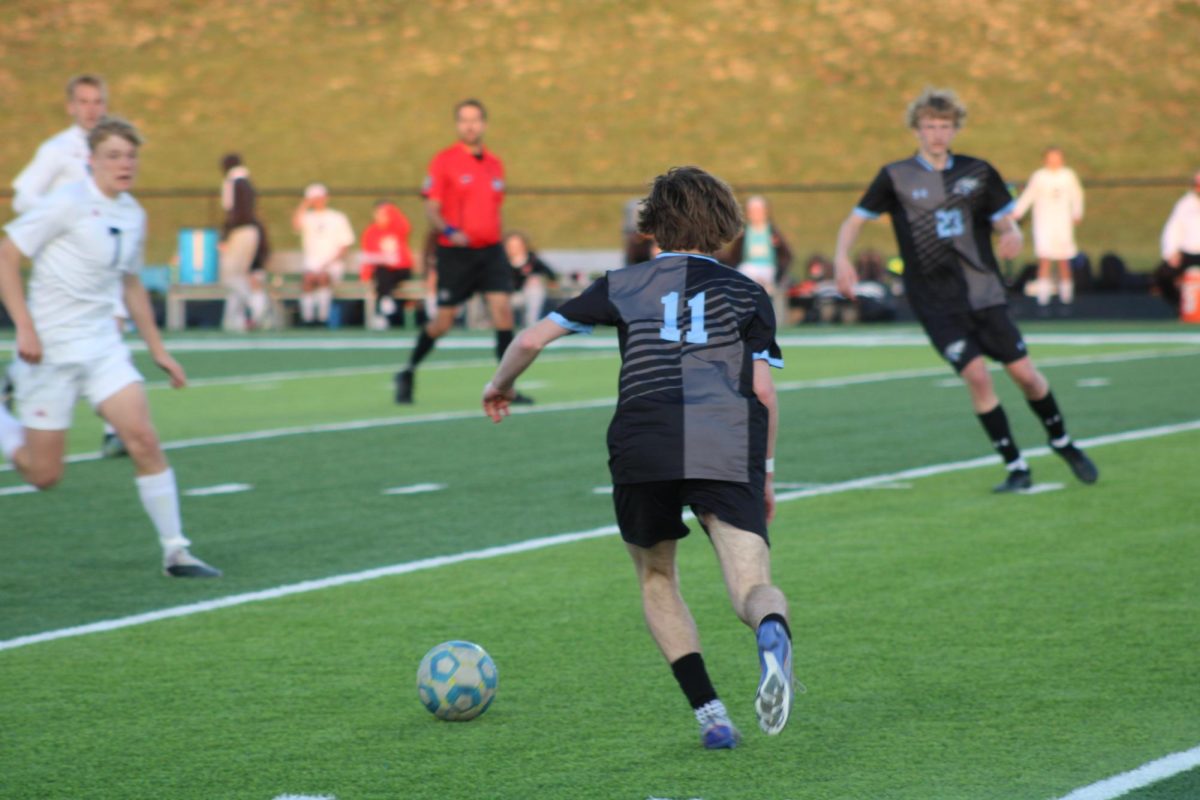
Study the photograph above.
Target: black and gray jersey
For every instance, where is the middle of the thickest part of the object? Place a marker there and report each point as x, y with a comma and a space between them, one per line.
690, 330
943, 224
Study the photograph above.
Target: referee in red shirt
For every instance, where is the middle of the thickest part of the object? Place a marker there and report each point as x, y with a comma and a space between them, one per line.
463, 193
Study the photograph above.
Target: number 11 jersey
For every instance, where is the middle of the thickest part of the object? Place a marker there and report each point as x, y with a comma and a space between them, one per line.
689, 330
943, 223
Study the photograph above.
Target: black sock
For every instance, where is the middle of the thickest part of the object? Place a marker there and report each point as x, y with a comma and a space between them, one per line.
693, 679
1047, 411
425, 344
777, 618
503, 340
995, 422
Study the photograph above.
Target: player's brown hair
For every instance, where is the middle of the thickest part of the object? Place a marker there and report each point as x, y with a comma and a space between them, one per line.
689, 209
472, 103
113, 126
86, 79
940, 103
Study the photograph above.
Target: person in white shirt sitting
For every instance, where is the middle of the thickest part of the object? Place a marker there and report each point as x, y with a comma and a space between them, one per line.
325, 237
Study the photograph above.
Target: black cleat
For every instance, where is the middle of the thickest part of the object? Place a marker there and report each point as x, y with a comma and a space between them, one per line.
182, 564
404, 387
522, 400
1018, 480
1083, 467
111, 446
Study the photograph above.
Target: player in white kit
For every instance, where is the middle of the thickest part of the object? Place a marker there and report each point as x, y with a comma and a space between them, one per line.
61, 159
86, 240
1056, 196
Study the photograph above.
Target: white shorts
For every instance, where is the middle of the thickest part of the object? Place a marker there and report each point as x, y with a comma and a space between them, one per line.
762, 274
46, 393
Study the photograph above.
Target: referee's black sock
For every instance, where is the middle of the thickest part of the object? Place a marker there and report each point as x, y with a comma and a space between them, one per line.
693, 679
1047, 411
503, 340
425, 344
995, 422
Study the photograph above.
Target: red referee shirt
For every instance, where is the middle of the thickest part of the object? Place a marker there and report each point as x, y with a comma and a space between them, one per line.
469, 190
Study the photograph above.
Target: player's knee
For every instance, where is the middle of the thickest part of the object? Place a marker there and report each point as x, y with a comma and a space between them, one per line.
142, 442
45, 476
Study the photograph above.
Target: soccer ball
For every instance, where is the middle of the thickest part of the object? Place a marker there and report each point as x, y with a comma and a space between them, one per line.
457, 681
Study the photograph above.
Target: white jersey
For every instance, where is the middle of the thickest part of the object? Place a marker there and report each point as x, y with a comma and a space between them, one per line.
82, 244
323, 235
1057, 200
1181, 234
62, 159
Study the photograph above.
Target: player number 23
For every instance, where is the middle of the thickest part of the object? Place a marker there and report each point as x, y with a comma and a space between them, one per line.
670, 329
949, 223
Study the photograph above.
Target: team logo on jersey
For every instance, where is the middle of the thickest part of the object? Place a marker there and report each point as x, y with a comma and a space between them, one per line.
965, 186
954, 351
920, 194
466, 178
497, 185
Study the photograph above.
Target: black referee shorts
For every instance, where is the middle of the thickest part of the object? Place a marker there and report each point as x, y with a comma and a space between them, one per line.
464, 271
962, 336
649, 513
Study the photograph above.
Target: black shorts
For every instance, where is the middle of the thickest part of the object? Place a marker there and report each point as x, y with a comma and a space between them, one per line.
649, 513
961, 337
463, 271
387, 279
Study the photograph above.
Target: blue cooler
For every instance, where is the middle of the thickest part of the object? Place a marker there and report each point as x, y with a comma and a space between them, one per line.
198, 259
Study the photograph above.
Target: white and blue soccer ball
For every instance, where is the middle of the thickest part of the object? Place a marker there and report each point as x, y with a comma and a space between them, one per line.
457, 681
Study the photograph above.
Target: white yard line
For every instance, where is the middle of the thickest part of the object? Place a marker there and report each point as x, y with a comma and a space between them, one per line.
1151, 772
220, 488
541, 543
449, 416
416, 488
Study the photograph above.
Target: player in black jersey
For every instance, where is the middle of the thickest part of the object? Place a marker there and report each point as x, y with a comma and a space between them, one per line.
944, 208
694, 426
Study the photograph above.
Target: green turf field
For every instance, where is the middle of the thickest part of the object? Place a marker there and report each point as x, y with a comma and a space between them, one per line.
954, 644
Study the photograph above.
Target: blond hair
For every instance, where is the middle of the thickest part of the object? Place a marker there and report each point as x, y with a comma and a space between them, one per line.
939, 103
113, 126
86, 79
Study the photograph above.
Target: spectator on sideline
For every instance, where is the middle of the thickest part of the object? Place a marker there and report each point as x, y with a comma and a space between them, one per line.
325, 238
531, 276
244, 248
1180, 242
63, 158
760, 252
1056, 196
386, 260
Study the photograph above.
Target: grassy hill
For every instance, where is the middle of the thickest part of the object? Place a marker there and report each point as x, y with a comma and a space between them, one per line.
607, 92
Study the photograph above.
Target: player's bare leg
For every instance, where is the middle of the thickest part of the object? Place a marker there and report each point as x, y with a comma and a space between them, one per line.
129, 412
995, 422
1044, 406
1044, 285
500, 310
674, 631
38, 455
746, 565
1066, 284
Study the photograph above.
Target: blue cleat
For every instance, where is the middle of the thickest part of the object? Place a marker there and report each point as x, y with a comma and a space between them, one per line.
716, 730
773, 703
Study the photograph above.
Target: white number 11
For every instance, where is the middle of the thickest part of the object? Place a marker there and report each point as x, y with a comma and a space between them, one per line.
670, 329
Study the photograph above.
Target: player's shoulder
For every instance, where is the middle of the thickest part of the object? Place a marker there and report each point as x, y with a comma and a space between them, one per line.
966, 163
67, 139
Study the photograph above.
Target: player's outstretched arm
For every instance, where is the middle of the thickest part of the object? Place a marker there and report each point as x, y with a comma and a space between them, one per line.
499, 391
847, 277
138, 304
12, 293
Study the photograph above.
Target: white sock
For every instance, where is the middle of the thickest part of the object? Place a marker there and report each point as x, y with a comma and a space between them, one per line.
1043, 291
1019, 464
324, 302
108, 428
160, 498
1066, 291
308, 307
258, 306
12, 434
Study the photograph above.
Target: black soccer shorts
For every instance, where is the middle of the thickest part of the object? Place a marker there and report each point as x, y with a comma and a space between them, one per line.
649, 513
962, 336
464, 271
